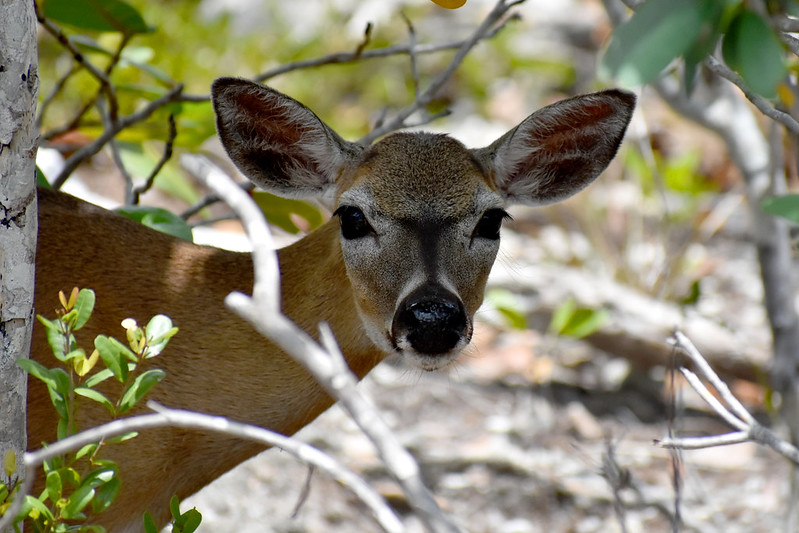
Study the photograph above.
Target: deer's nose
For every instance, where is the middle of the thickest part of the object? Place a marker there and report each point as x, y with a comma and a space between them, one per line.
431, 320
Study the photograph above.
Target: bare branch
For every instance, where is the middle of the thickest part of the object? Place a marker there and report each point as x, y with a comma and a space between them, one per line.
168, 148
360, 54
761, 103
87, 151
493, 19
734, 412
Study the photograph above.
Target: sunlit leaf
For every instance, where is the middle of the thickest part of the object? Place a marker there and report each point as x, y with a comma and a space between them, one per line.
84, 305
158, 219
77, 501
159, 331
577, 322
53, 485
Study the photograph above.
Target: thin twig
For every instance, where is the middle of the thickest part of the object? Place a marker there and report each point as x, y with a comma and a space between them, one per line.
89, 150
359, 55
59, 86
499, 11
760, 103
108, 123
168, 149
304, 493
412, 55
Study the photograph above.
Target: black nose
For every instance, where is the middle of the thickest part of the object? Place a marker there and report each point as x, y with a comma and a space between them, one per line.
431, 319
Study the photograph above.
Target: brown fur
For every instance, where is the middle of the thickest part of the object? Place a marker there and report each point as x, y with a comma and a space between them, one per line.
423, 196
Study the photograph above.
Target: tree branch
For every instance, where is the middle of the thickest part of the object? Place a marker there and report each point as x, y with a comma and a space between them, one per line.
89, 150
734, 413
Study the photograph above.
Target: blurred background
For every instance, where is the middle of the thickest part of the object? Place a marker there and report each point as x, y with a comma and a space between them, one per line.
547, 422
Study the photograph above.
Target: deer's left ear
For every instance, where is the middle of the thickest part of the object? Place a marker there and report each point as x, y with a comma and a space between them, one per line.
560, 149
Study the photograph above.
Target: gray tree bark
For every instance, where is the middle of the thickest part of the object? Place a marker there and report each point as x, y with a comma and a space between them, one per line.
19, 87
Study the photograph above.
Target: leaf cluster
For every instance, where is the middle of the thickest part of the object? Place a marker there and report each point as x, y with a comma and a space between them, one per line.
84, 479
661, 31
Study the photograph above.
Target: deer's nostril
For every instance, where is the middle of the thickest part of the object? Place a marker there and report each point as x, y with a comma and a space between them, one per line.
432, 324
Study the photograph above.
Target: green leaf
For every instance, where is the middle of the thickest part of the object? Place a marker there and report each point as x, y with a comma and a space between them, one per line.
77, 501
106, 495
174, 507
41, 181
69, 476
31, 503
62, 382
97, 15
786, 206
159, 330
149, 524
98, 477
159, 220
571, 321
98, 377
658, 32
717, 14
506, 304
98, 397
693, 294
140, 386
88, 449
38, 371
53, 485
122, 438
752, 49
112, 357
278, 211
189, 521
84, 307
55, 331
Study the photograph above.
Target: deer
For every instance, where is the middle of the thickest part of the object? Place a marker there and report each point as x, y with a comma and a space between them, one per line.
400, 269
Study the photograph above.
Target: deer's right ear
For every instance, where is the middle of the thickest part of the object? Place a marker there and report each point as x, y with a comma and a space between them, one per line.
277, 142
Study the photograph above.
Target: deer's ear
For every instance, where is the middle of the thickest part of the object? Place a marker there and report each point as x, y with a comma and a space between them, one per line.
559, 149
277, 142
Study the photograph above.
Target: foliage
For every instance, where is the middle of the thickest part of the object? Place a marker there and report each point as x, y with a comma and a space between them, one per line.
103, 65
577, 322
76, 481
786, 206
661, 31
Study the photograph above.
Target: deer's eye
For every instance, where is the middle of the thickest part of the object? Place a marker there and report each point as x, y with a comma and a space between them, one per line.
489, 224
353, 222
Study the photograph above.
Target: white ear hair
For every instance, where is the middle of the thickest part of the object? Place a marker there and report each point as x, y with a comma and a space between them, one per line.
560, 149
277, 142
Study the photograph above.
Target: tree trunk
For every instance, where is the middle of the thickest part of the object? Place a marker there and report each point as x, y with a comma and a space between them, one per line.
19, 87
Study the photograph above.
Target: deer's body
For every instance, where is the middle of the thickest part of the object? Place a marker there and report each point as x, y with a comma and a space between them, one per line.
401, 269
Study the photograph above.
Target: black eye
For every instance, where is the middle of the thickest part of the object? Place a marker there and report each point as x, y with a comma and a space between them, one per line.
353, 222
489, 224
